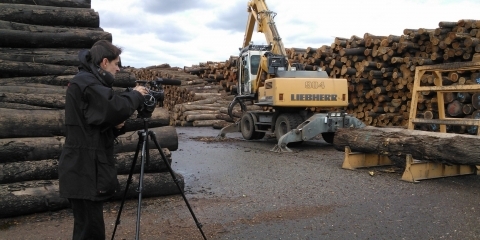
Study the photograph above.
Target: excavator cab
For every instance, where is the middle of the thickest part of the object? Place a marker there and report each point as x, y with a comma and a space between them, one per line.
248, 65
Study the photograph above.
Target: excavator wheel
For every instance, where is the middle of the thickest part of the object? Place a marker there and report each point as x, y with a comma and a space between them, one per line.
328, 137
248, 129
285, 123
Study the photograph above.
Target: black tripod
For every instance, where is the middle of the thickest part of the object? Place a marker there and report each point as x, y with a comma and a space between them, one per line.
143, 144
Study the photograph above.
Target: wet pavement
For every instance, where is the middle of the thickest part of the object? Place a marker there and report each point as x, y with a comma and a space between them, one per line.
241, 190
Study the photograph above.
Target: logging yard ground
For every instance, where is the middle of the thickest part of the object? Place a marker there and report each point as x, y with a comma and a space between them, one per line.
241, 190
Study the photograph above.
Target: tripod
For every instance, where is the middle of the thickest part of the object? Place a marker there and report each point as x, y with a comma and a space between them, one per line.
143, 145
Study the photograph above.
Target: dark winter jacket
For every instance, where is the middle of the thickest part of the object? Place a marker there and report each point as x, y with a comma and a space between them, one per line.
92, 110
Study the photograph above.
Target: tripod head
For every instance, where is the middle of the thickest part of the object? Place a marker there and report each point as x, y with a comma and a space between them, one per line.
156, 94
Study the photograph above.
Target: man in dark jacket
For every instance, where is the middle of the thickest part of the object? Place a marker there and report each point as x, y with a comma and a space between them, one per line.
94, 117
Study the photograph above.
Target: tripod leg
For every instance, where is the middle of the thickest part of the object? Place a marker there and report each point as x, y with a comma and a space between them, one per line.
145, 156
154, 139
129, 181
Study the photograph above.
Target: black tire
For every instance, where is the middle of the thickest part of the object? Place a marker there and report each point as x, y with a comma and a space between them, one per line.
247, 128
285, 123
328, 137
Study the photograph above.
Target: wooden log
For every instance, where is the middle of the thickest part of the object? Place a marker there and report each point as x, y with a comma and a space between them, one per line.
196, 117
49, 16
206, 123
50, 80
19, 106
54, 3
19, 124
160, 117
75, 38
66, 58
21, 69
39, 148
48, 169
455, 109
422, 145
39, 196
43, 100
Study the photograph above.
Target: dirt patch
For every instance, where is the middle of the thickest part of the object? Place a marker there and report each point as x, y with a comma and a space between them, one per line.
215, 139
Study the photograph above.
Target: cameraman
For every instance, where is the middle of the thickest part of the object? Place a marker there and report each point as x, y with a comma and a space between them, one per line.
94, 117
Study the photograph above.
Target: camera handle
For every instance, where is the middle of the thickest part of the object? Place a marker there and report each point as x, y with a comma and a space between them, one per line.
145, 157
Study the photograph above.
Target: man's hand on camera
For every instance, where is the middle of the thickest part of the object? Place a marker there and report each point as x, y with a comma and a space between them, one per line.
141, 89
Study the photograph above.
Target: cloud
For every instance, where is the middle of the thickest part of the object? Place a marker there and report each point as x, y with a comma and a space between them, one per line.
184, 33
172, 6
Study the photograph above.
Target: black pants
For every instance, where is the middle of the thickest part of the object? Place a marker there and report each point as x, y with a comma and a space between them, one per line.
88, 220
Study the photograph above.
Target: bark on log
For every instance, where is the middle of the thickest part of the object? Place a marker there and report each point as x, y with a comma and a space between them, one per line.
39, 148
19, 106
160, 117
40, 196
31, 123
22, 69
51, 57
71, 39
49, 16
46, 123
42, 100
396, 143
48, 169
54, 3
50, 80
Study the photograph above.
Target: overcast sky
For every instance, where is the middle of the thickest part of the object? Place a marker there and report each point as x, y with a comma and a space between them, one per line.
187, 32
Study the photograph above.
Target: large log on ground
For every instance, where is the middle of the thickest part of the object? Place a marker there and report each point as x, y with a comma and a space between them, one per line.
55, 3
49, 16
48, 169
40, 196
396, 143
39, 148
16, 123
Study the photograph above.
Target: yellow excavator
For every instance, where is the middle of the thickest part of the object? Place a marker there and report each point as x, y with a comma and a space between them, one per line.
285, 91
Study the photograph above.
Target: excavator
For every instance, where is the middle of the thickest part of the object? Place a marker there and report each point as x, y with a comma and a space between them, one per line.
285, 92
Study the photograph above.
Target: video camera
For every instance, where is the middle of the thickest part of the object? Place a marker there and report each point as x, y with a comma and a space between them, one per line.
155, 94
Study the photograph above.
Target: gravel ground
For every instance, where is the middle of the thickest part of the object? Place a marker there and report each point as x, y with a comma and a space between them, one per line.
240, 190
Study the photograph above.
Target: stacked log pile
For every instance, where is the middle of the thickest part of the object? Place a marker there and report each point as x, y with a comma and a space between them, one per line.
197, 101
38, 57
380, 69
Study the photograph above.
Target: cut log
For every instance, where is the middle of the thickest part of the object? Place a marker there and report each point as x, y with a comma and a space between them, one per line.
48, 57
21, 69
396, 143
160, 117
40, 148
49, 16
16, 123
54, 3
48, 169
72, 39
40, 196
19, 106
50, 80
42, 100
206, 123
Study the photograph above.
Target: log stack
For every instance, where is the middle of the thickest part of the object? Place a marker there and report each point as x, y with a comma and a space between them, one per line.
380, 69
38, 58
